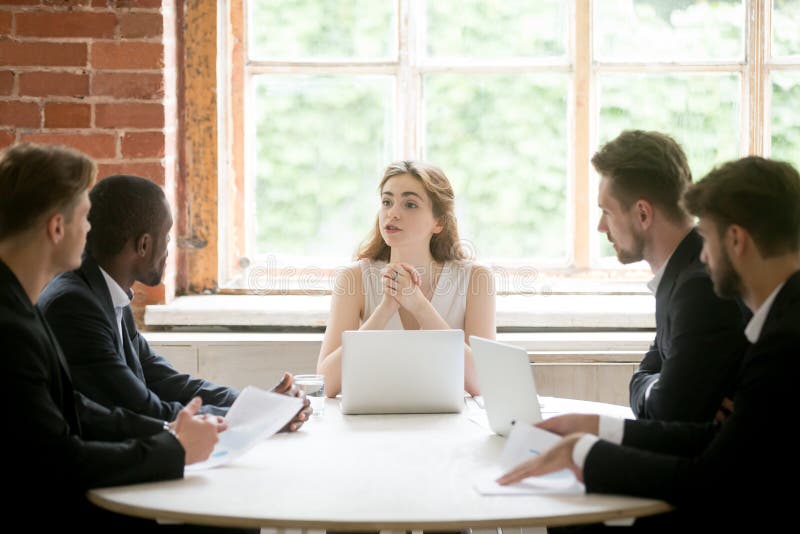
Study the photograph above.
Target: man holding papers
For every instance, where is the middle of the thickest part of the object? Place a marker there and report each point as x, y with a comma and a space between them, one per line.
90, 314
59, 443
735, 473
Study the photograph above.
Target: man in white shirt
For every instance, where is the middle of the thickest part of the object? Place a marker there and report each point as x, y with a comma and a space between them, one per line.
60, 443
691, 365
90, 314
732, 473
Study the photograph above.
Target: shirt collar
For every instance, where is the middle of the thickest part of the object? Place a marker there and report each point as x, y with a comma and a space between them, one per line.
119, 297
653, 284
753, 330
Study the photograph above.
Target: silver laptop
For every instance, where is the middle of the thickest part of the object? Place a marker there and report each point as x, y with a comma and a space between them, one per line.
506, 381
402, 371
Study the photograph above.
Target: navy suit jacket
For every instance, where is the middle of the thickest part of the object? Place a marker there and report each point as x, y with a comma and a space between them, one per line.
698, 347
741, 471
58, 442
78, 308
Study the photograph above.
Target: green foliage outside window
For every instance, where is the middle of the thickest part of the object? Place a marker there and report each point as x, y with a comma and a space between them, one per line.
502, 141
664, 30
496, 28
321, 28
321, 142
321, 145
785, 117
702, 113
785, 27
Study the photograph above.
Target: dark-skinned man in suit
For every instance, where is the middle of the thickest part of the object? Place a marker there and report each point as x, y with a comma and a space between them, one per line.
60, 443
89, 309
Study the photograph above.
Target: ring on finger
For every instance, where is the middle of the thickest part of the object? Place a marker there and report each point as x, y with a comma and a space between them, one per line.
394, 278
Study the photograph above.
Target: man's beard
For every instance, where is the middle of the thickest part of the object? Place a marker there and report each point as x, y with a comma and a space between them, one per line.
727, 282
154, 277
634, 254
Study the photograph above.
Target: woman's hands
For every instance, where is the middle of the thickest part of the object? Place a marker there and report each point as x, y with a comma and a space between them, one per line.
401, 286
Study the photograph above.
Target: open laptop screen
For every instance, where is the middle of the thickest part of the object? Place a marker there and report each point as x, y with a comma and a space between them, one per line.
402, 371
506, 381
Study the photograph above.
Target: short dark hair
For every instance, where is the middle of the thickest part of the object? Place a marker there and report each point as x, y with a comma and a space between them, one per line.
123, 207
758, 194
645, 165
37, 180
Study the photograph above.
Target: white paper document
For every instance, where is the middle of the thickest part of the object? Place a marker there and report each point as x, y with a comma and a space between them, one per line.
255, 415
523, 443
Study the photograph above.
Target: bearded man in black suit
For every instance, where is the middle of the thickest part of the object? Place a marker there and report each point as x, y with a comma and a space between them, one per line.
735, 474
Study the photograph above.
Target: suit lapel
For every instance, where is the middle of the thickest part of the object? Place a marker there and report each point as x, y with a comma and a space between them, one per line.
131, 354
785, 298
62, 360
59, 378
9, 281
64, 381
90, 272
688, 249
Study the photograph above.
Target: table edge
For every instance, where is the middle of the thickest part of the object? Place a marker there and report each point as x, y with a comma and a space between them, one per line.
650, 507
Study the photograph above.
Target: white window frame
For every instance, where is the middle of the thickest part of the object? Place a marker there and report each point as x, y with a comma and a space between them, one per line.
410, 65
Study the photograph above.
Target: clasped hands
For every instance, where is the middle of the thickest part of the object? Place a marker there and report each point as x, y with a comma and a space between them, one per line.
401, 286
559, 456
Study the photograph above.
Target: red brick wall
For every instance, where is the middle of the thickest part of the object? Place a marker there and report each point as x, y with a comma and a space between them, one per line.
98, 75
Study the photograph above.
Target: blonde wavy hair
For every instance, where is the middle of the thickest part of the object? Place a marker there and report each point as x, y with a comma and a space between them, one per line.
444, 246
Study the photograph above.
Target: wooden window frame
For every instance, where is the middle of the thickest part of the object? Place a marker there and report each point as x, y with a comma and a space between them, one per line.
212, 228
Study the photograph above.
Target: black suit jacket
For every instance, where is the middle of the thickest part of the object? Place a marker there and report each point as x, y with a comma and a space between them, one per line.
78, 308
58, 442
741, 471
698, 347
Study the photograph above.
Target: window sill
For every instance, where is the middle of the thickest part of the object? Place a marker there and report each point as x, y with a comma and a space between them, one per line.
514, 312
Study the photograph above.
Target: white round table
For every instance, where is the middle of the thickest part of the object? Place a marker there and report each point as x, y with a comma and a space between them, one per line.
370, 472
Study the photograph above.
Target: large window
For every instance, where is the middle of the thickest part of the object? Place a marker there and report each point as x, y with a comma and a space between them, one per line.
784, 81
509, 97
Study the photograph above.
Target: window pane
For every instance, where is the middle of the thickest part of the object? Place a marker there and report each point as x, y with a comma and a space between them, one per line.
501, 139
496, 28
701, 111
785, 117
321, 28
651, 30
786, 27
321, 144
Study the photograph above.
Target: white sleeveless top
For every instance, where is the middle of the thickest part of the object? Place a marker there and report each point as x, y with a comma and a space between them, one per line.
449, 298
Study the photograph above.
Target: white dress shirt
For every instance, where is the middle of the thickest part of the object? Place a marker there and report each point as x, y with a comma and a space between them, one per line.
652, 285
119, 299
753, 330
612, 428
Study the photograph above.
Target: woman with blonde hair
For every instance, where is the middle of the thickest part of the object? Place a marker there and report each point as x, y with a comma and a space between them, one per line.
411, 273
